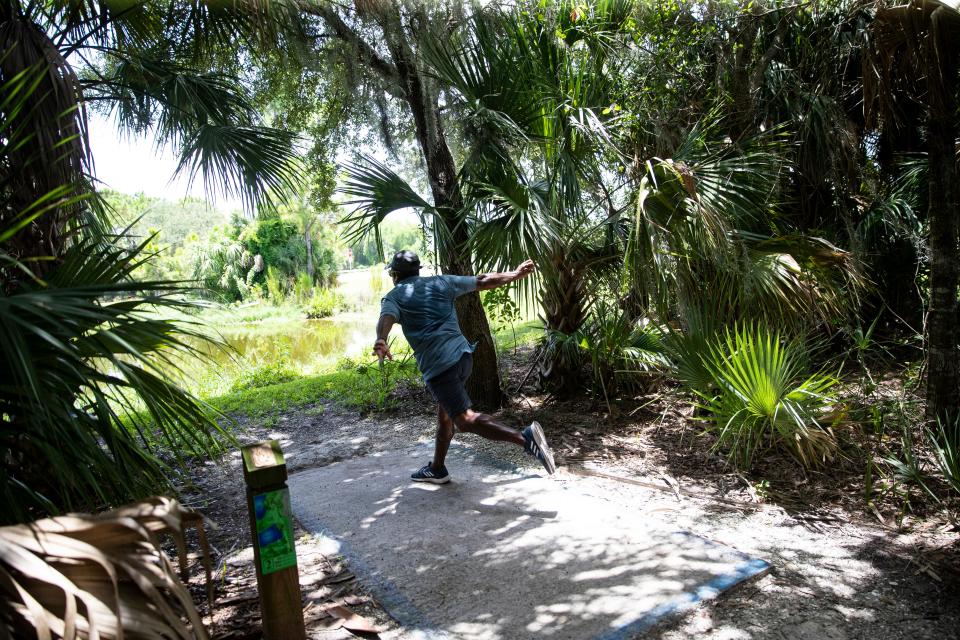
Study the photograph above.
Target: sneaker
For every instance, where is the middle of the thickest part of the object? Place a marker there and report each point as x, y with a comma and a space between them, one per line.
536, 446
427, 474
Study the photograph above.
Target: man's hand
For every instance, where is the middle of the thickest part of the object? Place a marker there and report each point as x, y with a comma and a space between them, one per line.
382, 350
526, 268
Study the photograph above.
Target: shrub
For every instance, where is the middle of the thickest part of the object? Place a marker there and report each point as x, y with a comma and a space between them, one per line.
376, 281
944, 440
274, 286
621, 349
324, 303
302, 288
761, 396
277, 370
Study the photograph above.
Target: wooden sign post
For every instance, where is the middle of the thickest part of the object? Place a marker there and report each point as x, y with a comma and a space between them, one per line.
274, 554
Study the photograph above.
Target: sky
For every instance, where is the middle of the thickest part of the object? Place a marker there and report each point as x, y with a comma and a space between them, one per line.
134, 164
131, 165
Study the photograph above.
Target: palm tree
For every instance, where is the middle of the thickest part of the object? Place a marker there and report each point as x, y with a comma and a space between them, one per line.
534, 111
915, 59
85, 362
86, 396
153, 66
535, 91
385, 39
705, 251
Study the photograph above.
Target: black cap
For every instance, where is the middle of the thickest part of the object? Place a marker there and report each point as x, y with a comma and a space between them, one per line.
404, 262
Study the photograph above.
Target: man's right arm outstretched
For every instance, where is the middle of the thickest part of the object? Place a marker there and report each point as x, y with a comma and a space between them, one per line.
494, 280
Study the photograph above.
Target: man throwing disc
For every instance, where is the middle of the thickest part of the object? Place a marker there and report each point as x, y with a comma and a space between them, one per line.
425, 310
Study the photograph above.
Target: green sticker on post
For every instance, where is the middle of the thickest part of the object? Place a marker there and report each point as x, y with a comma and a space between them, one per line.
274, 530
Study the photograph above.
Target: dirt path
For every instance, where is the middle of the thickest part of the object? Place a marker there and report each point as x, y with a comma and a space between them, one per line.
835, 575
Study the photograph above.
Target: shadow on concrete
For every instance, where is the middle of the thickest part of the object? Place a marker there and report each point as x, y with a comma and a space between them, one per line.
498, 553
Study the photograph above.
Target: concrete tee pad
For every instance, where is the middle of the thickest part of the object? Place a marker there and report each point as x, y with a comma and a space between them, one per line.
502, 552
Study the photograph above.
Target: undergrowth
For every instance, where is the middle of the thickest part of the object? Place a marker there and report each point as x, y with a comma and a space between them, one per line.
357, 385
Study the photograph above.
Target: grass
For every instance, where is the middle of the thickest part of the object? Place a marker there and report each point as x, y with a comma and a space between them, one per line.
523, 334
362, 386
357, 384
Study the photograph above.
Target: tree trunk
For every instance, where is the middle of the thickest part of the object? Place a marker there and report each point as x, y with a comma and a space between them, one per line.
484, 385
943, 355
564, 309
308, 236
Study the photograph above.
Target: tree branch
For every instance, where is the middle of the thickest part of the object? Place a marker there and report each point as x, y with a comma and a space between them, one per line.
344, 32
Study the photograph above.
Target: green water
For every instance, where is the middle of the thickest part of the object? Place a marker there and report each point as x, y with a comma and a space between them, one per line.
305, 344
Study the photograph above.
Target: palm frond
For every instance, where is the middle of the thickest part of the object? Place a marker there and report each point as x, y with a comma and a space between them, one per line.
377, 192
82, 366
99, 576
253, 163
144, 92
766, 398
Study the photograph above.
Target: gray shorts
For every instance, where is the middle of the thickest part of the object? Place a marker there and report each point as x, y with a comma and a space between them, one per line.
447, 386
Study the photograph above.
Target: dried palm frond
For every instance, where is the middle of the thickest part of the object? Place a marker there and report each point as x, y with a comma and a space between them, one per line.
99, 576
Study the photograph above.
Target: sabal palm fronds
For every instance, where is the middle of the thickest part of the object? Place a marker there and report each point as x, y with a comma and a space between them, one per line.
761, 394
85, 365
534, 90
85, 388
149, 60
377, 191
106, 576
706, 237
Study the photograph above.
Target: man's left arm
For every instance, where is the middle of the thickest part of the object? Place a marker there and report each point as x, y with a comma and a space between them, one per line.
380, 348
494, 280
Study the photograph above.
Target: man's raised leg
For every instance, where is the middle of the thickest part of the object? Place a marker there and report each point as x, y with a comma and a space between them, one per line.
485, 426
531, 438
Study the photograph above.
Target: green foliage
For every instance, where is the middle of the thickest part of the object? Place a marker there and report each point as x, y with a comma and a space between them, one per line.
275, 287
500, 306
84, 391
562, 359
760, 394
622, 351
222, 266
84, 385
944, 441
501, 309
276, 370
302, 288
177, 221
379, 381
396, 235
527, 333
906, 466
280, 244
324, 303
357, 385
376, 282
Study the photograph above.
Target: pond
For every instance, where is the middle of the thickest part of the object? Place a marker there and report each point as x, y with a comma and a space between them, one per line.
306, 346
305, 343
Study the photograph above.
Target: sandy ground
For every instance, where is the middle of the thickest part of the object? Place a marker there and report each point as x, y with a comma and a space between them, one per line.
838, 572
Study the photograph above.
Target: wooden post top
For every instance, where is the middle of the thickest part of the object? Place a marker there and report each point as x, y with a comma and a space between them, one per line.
263, 464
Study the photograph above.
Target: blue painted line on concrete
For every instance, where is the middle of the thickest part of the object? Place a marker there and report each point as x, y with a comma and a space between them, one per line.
685, 601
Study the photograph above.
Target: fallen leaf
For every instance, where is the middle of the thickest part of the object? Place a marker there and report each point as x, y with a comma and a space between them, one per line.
340, 577
352, 621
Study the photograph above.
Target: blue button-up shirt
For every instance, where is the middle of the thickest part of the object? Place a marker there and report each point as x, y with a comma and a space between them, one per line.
424, 308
